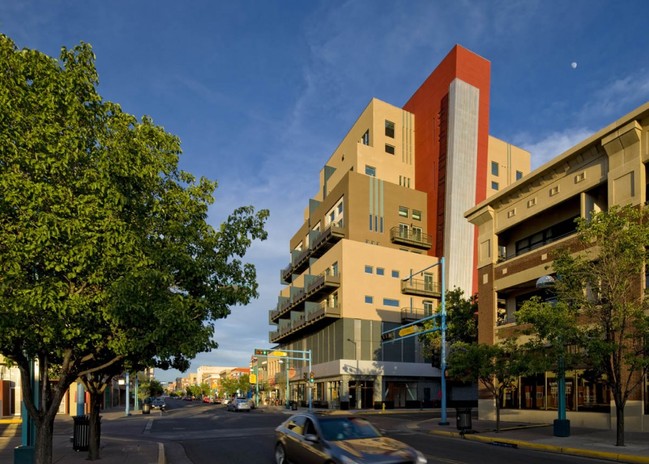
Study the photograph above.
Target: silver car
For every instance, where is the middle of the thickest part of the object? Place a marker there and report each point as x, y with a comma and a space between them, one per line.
313, 439
239, 404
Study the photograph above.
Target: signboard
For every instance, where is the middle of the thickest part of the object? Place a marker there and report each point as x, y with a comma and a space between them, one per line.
408, 330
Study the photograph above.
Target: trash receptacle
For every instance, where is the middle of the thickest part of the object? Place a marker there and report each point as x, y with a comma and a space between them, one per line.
81, 433
146, 408
294, 405
463, 418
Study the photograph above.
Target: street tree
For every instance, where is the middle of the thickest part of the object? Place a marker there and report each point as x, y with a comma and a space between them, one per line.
496, 367
461, 324
105, 250
600, 300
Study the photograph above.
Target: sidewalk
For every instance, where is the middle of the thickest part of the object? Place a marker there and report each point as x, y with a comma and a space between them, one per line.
585, 442
113, 450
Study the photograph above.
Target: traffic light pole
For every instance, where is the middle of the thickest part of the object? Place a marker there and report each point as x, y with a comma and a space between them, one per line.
412, 330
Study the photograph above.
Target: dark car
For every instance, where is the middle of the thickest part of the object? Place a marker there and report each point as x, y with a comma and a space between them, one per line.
312, 438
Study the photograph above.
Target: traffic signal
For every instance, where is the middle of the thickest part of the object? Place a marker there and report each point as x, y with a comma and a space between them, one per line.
436, 360
387, 336
305, 376
311, 377
259, 352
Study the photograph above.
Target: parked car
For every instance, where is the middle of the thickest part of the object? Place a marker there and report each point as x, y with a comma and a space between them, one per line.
313, 439
208, 400
239, 404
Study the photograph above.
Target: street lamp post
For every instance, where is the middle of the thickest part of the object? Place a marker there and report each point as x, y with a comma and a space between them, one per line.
561, 426
358, 403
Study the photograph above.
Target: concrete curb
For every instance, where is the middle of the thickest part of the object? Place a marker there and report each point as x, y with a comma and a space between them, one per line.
618, 457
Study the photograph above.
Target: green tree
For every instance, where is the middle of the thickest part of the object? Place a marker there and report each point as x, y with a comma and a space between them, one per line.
461, 324
601, 302
496, 367
106, 255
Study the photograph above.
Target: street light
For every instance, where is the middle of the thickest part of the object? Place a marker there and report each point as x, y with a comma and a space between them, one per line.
358, 405
561, 424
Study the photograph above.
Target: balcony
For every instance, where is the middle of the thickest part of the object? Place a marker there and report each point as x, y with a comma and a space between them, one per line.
420, 287
414, 314
324, 241
321, 285
319, 246
315, 312
285, 305
408, 237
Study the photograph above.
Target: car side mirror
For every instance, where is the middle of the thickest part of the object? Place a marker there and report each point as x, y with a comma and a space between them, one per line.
311, 438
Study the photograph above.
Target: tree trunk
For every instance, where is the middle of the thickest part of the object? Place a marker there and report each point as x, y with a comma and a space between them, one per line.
619, 410
498, 403
95, 425
43, 445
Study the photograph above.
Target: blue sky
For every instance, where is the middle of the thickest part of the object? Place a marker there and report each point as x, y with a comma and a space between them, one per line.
261, 92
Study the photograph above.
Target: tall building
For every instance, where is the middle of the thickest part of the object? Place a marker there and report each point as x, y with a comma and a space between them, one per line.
390, 202
519, 229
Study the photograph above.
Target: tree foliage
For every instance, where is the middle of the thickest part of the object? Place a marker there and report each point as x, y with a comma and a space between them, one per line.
601, 301
461, 323
496, 367
108, 261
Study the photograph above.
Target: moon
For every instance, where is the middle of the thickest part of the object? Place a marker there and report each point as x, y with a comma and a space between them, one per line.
573, 65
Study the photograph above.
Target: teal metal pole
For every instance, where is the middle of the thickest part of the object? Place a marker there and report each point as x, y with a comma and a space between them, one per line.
443, 419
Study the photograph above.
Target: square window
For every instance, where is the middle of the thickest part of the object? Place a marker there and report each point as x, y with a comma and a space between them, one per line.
395, 274
494, 168
390, 302
494, 185
416, 215
519, 175
370, 170
389, 149
369, 299
380, 271
368, 269
389, 128
403, 211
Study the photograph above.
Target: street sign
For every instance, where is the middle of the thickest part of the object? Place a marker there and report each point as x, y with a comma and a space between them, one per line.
253, 378
408, 330
278, 353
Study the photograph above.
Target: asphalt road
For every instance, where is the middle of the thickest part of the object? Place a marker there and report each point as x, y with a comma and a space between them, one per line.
196, 433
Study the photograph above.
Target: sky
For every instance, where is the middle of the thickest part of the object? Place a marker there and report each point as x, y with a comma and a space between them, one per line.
262, 92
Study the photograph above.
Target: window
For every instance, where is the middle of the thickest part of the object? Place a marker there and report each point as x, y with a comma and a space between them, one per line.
390, 302
546, 236
416, 215
380, 271
403, 211
494, 168
389, 149
370, 170
417, 233
395, 274
366, 138
519, 174
404, 230
494, 185
340, 208
334, 268
389, 129
368, 269
428, 308
369, 299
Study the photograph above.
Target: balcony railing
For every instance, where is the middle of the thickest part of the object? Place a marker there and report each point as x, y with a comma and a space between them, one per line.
420, 287
317, 312
414, 314
323, 283
320, 244
414, 238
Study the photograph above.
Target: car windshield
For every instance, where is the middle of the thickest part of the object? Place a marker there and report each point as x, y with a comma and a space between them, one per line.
346, 428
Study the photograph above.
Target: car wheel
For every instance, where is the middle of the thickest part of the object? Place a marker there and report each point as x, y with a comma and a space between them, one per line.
280, 454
